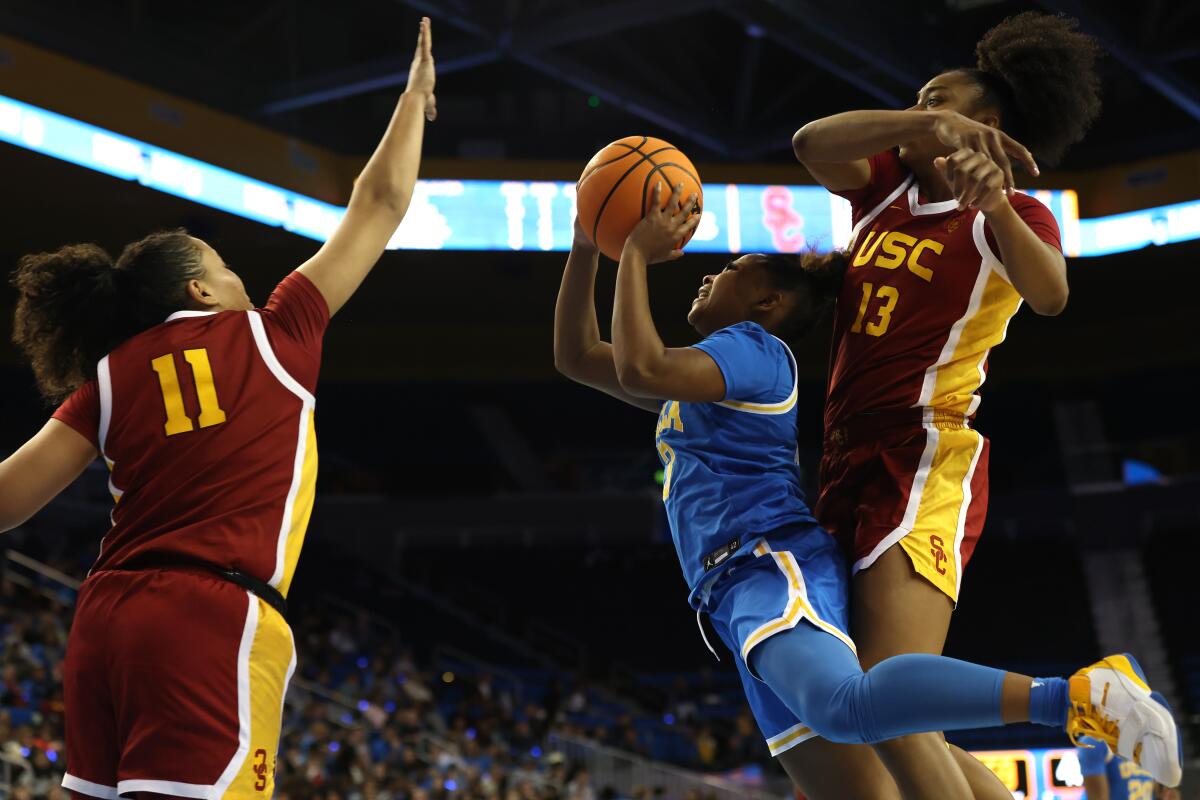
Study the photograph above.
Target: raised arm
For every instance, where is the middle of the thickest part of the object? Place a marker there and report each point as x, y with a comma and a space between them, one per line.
645, 366
579, 352
383, 190
835, 149
44, 466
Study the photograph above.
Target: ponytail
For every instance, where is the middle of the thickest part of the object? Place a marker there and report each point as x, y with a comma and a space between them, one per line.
826, 272
815, 278
66, 315
76, 305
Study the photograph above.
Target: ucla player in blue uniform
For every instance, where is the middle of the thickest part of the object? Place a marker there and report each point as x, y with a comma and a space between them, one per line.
1108, 777
771, 580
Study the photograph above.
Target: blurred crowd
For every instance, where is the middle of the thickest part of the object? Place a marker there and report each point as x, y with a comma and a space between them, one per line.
364, 720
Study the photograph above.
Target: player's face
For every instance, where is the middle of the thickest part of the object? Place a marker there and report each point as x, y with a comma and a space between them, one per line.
950, 91
221, 282
729, 297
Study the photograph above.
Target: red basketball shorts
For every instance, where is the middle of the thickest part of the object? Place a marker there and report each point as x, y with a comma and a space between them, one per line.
918, 480
174, 683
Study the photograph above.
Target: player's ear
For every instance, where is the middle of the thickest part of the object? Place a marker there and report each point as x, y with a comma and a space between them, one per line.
988, 116
770, 301
200, 296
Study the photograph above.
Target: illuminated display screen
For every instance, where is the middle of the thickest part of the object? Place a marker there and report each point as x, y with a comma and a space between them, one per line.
1052, 774
531, 216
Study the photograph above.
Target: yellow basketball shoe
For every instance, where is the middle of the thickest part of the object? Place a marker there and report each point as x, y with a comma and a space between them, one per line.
1111, 701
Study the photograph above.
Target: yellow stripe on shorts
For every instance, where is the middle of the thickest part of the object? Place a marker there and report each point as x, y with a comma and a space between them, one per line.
934, 544
272, 660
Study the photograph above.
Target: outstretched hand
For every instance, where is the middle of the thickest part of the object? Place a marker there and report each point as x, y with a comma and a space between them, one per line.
661, 232
421, 76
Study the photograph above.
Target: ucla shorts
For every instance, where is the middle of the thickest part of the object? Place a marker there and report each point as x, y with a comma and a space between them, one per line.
791, 574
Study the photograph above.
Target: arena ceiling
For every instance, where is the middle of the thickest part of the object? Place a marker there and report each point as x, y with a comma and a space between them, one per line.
724, 79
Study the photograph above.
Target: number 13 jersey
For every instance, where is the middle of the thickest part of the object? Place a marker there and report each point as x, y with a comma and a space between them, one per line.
206, 424
925, 298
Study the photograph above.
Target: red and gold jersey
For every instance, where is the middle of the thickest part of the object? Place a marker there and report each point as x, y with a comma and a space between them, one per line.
924, 301
206, 424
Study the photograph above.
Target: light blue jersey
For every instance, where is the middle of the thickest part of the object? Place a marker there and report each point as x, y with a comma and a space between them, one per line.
1126, 780
729, 467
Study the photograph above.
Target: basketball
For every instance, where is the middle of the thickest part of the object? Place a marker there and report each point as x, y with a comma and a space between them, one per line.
617, 186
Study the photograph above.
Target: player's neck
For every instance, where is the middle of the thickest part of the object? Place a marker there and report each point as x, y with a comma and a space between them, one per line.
931, 185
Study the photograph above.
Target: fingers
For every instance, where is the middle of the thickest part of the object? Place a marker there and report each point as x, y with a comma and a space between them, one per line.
971, 174
431, 108
673, 204
688, 223
1018, 150
687, 209
426, 39
996, 150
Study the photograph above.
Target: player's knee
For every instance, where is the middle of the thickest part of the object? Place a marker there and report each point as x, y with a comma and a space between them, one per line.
838, 716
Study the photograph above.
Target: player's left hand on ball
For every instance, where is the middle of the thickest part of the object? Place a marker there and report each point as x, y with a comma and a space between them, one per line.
976, 180
660, 232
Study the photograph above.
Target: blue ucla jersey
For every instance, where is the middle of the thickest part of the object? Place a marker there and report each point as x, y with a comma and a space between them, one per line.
729, 468
1126, 780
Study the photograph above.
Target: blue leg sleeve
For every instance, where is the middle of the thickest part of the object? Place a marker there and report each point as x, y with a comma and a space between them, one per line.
820, 679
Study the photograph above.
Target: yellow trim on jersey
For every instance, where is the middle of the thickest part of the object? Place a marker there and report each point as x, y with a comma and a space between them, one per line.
958, 380
783, 406
272, 660
761, 408
934, 542
302, 505
798, 606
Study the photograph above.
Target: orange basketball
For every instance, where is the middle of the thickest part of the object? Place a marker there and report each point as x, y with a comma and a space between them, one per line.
617, 187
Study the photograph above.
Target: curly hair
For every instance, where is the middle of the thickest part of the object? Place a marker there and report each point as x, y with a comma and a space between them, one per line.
76, 305
1039, 70
816, 280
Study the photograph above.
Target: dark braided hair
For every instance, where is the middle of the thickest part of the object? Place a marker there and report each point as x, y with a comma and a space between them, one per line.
815, 279
1039, 71
75, 305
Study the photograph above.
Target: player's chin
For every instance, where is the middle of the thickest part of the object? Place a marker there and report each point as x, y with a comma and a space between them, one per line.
921, 151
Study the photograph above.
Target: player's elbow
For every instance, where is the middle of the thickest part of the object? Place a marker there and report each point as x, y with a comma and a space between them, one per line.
388, 198
565, 363
1050, 303
636, 379
800, 140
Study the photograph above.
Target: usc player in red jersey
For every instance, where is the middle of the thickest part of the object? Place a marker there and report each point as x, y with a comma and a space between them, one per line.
202, 407
943, 253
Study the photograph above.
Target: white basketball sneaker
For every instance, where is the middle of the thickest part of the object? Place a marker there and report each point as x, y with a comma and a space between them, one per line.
1111, 701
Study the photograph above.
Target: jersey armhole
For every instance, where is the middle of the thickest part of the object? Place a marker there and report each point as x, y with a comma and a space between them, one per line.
782, 407
272, 361
990, 259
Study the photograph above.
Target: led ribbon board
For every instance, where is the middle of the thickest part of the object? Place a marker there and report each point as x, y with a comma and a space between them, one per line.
532, 216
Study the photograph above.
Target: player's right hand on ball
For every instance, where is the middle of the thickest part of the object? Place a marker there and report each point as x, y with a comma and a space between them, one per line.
581, 240
659, 234
421, 77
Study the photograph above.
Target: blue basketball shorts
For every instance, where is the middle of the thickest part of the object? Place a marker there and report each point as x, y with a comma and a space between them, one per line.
791, 574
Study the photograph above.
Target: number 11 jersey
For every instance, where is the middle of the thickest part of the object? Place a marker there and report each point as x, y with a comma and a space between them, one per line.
206, 424
925, 299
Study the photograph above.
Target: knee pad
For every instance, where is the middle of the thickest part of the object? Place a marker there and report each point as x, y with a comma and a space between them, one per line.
839, 716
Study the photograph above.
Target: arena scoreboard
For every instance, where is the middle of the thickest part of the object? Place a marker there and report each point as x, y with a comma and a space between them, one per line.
516, 215
1036, 774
